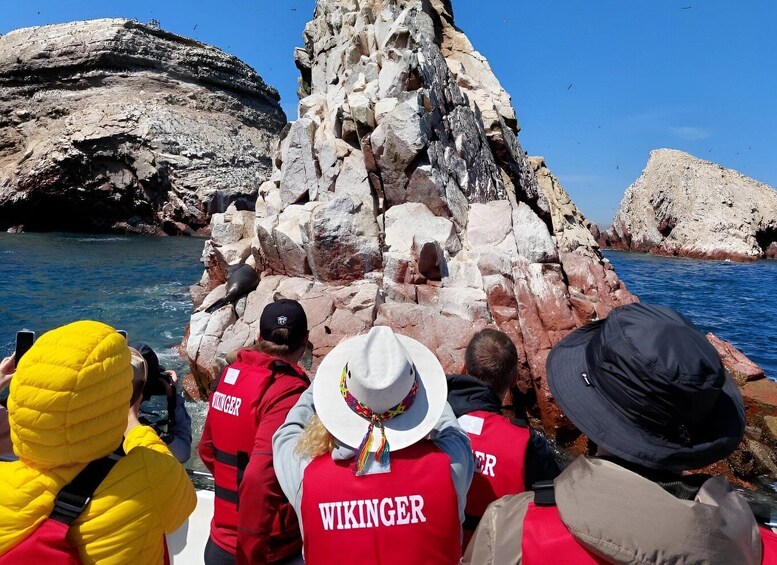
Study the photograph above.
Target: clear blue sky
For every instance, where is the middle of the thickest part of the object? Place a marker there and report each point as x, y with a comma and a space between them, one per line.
596, 84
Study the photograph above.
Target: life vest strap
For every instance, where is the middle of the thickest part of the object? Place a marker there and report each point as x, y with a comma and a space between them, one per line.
544, 495
227, 495
238, 460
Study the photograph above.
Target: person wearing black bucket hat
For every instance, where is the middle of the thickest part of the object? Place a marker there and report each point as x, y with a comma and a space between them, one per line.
253, 522
651, 392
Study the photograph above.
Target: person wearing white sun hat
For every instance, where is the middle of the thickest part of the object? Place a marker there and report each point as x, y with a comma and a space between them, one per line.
354, 459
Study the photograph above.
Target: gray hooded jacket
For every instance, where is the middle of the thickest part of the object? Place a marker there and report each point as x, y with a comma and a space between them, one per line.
626, 518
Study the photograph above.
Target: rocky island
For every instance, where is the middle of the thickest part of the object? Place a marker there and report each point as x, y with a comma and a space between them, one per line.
112, 125
687, 207
402, 197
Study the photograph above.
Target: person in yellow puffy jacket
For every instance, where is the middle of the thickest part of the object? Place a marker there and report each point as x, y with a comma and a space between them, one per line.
69, 404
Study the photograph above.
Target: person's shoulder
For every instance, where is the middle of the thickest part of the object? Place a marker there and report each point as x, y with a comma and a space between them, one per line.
151, 456
144, 470
285, 384
509, 511
21, 484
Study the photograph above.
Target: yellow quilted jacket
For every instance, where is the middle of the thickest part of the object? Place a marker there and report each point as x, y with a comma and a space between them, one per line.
68, 405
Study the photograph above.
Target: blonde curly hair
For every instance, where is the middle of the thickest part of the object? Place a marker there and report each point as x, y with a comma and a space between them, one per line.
315, 439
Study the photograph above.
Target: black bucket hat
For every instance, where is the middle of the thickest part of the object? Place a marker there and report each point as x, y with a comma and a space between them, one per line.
648, 387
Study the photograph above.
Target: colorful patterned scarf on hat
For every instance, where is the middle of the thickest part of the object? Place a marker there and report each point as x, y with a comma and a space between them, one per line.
375, 420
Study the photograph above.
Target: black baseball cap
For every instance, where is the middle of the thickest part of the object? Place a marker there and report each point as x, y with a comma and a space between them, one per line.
283, 314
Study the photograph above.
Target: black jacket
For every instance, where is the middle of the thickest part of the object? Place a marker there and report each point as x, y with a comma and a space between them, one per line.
467, 394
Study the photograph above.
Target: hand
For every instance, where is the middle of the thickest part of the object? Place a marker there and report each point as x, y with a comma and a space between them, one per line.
173, 376
132, 417
7, 368
5, 380
8, 365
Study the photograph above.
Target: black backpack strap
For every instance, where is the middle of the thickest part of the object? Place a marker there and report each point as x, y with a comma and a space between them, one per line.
75, 496
544, 495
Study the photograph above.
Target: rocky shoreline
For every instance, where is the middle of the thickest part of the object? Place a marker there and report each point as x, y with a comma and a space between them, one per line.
402, 197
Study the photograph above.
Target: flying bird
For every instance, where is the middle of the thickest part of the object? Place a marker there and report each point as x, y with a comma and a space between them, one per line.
504, 21
195, 26
686, 7
570, 85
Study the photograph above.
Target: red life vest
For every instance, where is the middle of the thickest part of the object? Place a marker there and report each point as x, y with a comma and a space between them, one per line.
408, 516
499, 447
544, 534
233, 421
768, 547
48, 542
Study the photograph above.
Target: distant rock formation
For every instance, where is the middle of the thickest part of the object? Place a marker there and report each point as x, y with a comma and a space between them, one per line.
112, 125
684, 206
402, 197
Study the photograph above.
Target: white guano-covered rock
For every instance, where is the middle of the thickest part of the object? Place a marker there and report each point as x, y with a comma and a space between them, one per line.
682, 205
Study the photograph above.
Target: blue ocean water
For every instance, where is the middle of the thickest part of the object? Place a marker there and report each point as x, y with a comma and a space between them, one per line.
732, 300
138, 284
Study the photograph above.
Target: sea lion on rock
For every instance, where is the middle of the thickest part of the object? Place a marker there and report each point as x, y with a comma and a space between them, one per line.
241, 280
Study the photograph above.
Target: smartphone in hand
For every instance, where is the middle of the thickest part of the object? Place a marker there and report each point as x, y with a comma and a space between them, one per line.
24, 340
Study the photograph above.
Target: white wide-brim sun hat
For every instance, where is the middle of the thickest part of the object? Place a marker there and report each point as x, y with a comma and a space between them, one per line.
381, 368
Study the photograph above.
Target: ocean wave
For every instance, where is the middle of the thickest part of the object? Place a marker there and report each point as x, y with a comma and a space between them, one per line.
99, 239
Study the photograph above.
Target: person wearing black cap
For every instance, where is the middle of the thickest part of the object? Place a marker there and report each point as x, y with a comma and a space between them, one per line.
650, 390
253, 521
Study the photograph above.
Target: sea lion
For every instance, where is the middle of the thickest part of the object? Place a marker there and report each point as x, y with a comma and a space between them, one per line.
241, 280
